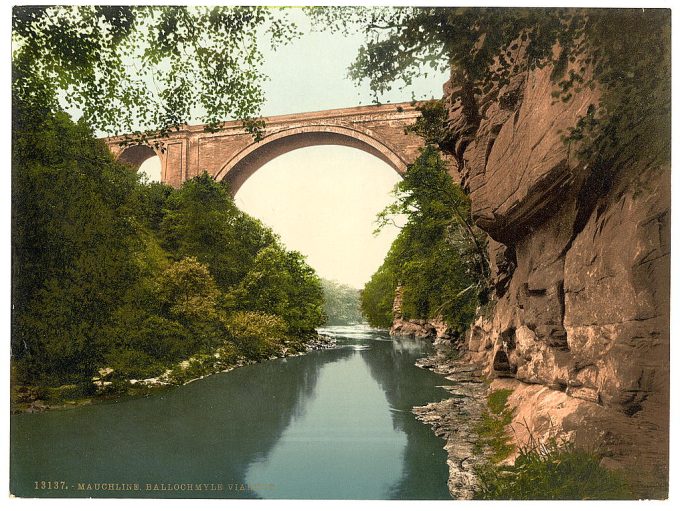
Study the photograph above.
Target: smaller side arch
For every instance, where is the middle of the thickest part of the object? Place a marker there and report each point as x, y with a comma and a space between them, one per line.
246, 162
136, 155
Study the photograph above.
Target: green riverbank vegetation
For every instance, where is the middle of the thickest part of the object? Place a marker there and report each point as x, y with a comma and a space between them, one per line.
552, 470
110, 272
438, 260
116, 279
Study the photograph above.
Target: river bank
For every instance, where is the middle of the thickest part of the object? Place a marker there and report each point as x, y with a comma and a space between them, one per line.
456, 418
36, 399
265, 425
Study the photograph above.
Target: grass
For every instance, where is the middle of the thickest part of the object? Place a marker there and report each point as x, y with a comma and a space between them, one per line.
491, 431
550, 470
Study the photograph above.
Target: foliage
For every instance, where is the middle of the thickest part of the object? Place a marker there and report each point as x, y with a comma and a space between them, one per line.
377, 296
547, 471
257, 334
624, 53
491, 431
187, 290
111, 272
342, 305
439, 257
134, 69
200, 219
431, 125
552, 471
280, 283
73, 245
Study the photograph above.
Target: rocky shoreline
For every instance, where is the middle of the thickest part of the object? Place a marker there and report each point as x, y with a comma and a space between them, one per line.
25, 399
456, 418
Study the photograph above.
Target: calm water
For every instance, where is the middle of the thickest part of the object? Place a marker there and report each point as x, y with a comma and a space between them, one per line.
331, 424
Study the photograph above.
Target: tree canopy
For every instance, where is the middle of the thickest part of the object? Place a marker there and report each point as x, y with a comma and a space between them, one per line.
112, 272
439, 257
341, 303
143, 70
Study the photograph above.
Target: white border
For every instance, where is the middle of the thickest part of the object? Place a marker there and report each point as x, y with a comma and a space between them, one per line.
181, 504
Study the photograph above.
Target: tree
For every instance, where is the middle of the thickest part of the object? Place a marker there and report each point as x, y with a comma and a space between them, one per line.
439, 257
341, 303
623, 52
281, 283
200, 219
74, 247
142, 69
187, 290
377, 296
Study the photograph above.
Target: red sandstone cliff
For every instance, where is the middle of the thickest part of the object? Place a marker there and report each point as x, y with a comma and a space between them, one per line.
581, 264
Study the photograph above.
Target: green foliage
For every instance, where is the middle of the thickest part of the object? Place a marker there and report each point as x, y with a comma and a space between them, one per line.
187, 290
491, 430
342, 305
552, 471
498, 400
439, 257
74, 247
111, 272
257, 334
624, 53
377, 297
431, 125
280, 283
201, 220
130, 69
542, 471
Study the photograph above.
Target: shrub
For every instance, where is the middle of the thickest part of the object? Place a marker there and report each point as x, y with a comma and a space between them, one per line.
552, 471
256, 334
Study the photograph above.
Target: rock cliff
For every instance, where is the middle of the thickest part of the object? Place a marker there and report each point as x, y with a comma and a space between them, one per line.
581, 263
435, 328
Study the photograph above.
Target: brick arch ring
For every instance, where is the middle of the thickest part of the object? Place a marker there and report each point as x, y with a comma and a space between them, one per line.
246, 162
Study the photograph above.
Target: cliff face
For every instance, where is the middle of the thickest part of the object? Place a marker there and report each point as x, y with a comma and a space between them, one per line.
435, 328
581, 270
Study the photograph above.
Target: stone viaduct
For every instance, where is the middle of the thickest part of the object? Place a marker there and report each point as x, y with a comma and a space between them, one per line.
233, 155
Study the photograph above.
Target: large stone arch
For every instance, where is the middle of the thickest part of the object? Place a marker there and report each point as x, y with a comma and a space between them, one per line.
247, 161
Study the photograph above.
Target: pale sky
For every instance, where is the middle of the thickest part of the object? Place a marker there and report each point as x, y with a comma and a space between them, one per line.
323, 200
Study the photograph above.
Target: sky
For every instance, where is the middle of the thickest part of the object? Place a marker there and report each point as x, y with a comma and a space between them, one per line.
323, 200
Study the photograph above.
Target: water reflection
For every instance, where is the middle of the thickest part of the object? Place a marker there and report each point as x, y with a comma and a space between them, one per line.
330, 424
205, 432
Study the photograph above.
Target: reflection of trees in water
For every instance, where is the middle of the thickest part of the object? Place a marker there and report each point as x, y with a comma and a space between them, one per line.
392, 365
208, 431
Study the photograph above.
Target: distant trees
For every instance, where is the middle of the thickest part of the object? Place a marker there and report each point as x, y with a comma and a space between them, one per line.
341, 303
439, 257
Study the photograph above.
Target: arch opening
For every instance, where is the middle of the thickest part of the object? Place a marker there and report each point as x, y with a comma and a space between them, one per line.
150, 170
248, 161
136, 155
323, 202
145, 160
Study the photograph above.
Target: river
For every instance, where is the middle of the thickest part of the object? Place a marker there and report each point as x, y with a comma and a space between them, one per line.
332, 424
